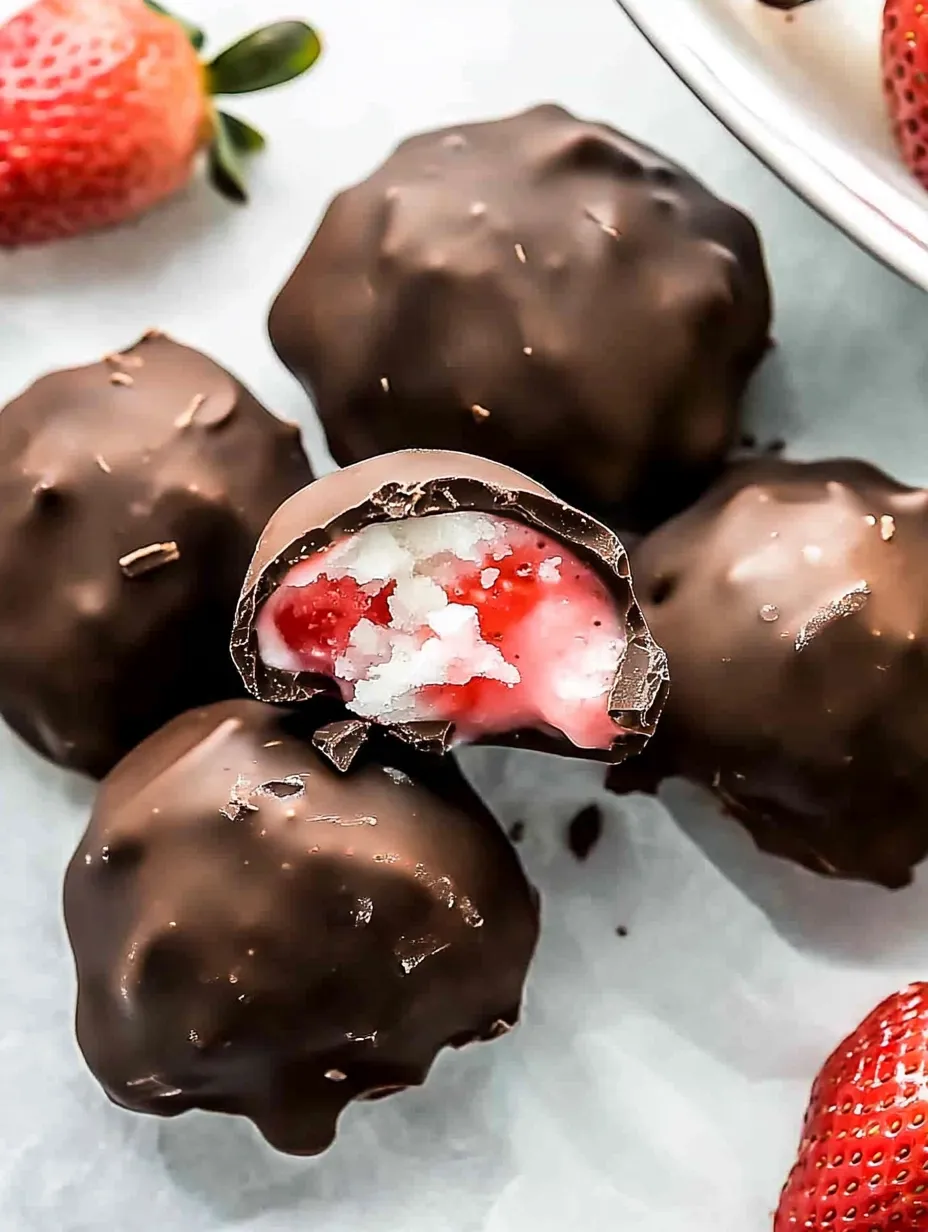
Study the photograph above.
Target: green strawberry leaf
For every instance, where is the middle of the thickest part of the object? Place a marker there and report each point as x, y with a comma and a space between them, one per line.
226, 170
244, 136
194, 33
265, 58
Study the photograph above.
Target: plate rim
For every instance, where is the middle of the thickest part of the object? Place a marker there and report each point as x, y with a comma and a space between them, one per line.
809, 172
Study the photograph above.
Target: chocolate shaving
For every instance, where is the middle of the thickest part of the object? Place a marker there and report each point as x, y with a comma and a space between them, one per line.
144, 560
119, 359
609, 230
186, 417
239, 804
341, 741
290, 788
838, 609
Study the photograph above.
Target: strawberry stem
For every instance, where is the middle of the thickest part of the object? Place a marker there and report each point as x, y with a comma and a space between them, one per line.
265, 58
244, 136
226, 170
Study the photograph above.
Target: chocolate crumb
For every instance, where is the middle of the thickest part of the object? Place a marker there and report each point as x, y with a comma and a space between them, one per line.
585, 831
144, 560
517, 831
621, 931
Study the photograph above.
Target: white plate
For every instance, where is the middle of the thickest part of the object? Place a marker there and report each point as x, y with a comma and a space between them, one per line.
803, 91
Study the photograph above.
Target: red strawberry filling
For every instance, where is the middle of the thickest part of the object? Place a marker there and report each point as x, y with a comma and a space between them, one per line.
461, 617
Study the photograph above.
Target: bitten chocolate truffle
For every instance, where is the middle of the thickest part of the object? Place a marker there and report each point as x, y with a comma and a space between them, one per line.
258, 934
793, 604
132, 494
542, 291
443, 596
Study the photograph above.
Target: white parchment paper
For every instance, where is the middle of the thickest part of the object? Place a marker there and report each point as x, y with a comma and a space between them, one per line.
658, 1079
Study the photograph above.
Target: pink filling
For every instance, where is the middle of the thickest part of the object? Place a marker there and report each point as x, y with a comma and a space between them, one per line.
461, 617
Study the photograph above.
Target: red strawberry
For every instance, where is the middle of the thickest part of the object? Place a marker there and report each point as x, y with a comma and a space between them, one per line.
863, 1158
104, 105
905, 79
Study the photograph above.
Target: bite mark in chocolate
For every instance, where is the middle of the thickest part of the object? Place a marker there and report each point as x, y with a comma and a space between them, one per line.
433, 590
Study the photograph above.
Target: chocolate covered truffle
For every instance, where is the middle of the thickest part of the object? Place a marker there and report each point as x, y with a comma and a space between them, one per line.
542, 291
793, 604
443, 596
258, 934
132, 493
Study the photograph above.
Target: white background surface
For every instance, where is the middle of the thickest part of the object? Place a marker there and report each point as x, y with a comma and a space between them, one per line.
658, 1080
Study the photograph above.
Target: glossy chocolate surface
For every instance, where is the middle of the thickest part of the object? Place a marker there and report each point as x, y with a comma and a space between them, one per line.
539, 290
419, 483
793, 604
132, 493
258, 934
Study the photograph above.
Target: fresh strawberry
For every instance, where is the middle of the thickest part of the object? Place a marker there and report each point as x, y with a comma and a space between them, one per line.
905, 79
863, 1158
105, 104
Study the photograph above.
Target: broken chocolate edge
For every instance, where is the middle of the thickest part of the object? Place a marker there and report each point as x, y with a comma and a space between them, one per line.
641, 683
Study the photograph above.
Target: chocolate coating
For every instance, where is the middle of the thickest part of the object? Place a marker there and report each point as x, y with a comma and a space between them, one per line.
418, 483
256, 934
132, 493
542, 291
793, 604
